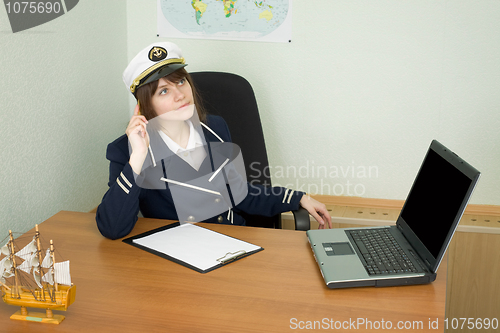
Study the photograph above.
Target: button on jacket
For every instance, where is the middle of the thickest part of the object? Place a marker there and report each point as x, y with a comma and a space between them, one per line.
118, 211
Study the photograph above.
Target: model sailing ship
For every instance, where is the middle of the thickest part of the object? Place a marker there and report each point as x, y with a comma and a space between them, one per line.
31, 277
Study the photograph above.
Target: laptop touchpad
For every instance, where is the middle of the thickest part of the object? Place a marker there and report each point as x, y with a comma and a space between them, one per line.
336, 249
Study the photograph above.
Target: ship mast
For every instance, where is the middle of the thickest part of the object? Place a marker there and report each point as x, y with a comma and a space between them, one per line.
56, 285
14, 265
39, 254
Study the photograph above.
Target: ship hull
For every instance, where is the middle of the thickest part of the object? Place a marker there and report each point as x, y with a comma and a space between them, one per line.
63, 298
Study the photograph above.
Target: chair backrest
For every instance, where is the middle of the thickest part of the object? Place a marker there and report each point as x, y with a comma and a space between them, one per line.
232, 97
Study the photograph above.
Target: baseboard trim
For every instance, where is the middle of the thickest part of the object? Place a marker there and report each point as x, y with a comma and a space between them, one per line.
490, 210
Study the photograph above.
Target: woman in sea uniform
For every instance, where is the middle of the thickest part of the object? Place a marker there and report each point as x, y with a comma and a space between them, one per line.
176, 162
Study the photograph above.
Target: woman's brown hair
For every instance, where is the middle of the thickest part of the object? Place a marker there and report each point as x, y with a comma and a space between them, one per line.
147, 91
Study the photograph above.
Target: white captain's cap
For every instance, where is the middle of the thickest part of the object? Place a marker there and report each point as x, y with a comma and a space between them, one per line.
152, 63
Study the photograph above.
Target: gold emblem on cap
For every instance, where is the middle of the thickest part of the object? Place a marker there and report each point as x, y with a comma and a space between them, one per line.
157, 53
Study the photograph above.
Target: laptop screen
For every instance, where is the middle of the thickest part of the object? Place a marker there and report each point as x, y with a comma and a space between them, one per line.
435, 198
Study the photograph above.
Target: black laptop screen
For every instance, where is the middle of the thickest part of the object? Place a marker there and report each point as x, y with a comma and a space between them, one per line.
434, 200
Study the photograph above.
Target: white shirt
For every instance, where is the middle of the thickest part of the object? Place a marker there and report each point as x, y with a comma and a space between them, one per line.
194, 154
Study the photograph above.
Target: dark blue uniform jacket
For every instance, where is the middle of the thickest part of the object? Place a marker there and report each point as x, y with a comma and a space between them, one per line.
118, 211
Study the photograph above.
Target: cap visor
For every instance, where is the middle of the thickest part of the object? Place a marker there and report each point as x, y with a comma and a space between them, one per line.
162, 72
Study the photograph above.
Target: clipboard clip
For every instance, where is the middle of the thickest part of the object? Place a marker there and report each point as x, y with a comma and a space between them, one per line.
231, 256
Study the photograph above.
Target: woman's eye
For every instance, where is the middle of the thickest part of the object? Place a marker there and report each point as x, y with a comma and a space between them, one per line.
163, 92
182, 81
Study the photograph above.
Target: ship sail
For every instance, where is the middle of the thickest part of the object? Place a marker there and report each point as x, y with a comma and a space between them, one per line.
62, 275
47, 261
34, 261
36, 276
5, 250
5, 267
48, 277
26, 265
27, 251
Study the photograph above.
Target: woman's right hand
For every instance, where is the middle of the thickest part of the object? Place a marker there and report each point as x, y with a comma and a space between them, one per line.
139, 140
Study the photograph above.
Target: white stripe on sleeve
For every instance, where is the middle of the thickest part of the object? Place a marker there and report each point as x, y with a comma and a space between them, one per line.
284, 197
290, 197
122, 186
125, 180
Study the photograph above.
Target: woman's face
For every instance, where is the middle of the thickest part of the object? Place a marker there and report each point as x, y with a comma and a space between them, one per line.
173, 101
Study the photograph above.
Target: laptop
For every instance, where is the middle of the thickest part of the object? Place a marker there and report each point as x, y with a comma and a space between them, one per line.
409, 252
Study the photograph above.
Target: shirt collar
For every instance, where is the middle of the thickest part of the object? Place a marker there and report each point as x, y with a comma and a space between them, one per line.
194, 140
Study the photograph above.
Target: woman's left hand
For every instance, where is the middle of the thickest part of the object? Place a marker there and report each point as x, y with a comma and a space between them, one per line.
317, 210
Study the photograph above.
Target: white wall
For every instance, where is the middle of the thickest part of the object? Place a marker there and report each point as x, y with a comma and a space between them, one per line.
365, 86
61, 102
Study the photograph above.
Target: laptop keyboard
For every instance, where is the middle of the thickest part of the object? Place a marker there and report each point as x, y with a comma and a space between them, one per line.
381, 252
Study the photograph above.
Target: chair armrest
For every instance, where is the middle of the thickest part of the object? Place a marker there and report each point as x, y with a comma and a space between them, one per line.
301, 217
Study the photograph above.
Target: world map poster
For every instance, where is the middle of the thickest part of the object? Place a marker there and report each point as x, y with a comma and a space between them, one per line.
247, 20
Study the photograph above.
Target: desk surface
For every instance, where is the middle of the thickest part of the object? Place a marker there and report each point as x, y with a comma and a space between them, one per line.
122, 288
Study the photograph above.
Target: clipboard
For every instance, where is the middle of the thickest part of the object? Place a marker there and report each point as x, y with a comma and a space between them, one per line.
192, 246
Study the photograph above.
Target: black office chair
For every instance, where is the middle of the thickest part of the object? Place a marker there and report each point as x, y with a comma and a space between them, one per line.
232, 97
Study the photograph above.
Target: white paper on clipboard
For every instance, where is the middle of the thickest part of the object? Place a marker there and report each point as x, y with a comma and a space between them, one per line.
196, 246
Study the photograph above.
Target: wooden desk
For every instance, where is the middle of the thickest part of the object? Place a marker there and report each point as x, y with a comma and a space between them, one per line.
121, 288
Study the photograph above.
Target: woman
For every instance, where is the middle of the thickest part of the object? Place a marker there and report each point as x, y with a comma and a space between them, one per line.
175, 160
